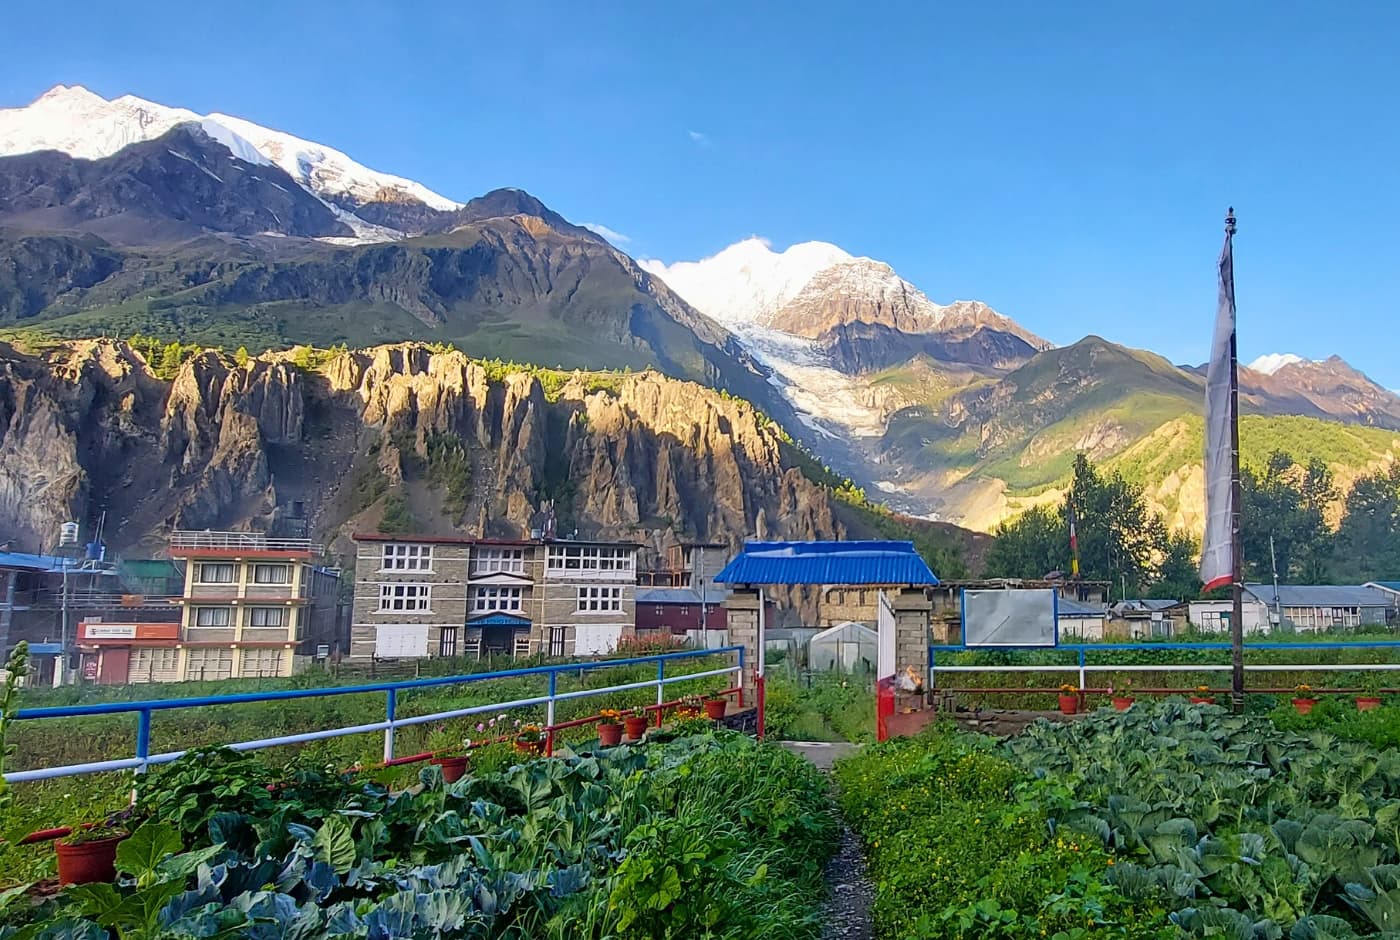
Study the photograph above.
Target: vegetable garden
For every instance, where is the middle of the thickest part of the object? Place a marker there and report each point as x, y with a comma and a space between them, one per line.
1157, 822
702, 836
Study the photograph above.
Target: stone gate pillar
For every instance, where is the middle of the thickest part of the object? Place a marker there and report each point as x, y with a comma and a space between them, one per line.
912, 609
741, 616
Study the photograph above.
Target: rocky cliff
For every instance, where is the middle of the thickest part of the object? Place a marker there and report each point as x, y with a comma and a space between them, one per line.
426, 434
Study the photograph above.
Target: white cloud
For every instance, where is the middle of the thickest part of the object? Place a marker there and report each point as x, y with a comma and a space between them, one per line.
700, 138
617, 238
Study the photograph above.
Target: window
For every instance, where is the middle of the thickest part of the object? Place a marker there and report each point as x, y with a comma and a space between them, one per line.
685, 611
209, 664
221, 573
261, 662
489, 560
588, 558
491, 597
447, 642
592, 599
660, 610
267, 617
272, 574
398, 557
153, 664
556, 640
405, 597
213, 616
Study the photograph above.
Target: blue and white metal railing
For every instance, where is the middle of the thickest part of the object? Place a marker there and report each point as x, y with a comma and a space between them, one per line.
1083, 667
144, 711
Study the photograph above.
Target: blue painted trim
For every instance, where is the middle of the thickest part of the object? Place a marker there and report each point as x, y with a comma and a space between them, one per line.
143, 737
115, 708
962, 615
1055, 608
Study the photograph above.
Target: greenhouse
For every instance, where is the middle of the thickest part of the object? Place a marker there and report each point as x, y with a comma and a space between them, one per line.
848, 647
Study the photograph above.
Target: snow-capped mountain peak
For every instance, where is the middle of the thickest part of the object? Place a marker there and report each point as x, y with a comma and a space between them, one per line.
76, 121
748, 281
1270, 363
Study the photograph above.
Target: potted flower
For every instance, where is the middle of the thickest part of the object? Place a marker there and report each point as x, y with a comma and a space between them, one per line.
1370, 696
529, 739
715, 706
1303, 699
691, 706
1069, 699
442, 743
1122, 700
609, 727
1202, 696
636, 722
88, 854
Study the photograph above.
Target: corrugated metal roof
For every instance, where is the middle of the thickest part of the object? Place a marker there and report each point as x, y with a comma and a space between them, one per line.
38, 562
1146, 603
1388, 585
1067, 607
868, 562
681, 595
1319, 595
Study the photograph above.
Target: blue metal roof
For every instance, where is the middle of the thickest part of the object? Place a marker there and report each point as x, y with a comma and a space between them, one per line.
45, 649
1388, 585
1068, 608
499, 620
872, 562
38, 562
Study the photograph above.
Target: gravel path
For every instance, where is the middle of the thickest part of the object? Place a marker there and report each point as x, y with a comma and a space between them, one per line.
849, 889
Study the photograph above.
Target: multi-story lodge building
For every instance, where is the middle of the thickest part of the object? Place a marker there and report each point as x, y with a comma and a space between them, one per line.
425, 596
250, 606
680, 596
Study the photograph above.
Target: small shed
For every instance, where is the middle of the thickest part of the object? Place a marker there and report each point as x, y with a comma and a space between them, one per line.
1078, 622
847, 647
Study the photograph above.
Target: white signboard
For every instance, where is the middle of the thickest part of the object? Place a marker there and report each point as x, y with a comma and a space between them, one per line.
110, 631
885, 665
394, 641
1009, 618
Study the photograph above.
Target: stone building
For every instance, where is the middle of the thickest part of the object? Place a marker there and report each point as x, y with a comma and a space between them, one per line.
427, 596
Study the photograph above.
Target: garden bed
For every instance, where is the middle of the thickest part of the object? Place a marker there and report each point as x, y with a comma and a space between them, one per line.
708, 835
1163, 821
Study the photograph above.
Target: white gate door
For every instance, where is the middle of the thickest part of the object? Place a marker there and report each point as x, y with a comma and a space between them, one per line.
885, 651
594, 639
395, 640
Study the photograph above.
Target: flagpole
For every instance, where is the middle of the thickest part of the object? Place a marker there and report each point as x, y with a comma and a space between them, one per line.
1236, 549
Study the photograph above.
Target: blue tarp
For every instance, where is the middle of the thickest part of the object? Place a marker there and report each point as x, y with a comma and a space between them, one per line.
872, 562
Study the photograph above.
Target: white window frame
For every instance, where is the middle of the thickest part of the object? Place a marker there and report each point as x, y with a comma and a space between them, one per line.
281, 613
494, 559
199, 615
406, 556
585, 560
598, 599
286, 571
406, 598
490, 597
199, 577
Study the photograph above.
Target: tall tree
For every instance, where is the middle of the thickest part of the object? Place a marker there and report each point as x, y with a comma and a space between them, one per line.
1030, 546
1368, 539
1285, 502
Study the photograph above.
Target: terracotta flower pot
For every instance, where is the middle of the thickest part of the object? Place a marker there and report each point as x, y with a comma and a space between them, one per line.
1069, 704
453, 768
1122, 702
529, 747
609, 734
1202, 700
636, 727
88, 862
1304, 705
715, 708
1365, 703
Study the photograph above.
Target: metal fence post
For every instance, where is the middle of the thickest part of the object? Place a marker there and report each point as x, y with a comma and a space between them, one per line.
741, 677
549, 708
1081, 675
660, 688
391, 709
143, 738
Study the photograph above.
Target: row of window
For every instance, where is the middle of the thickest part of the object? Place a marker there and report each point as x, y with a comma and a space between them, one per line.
418, 598
408, 557
162, 664
223, 572
223, 617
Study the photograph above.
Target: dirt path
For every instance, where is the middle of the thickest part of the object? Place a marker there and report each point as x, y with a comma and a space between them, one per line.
849, 889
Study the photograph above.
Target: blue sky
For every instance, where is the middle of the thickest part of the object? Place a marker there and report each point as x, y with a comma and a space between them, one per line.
1068, 163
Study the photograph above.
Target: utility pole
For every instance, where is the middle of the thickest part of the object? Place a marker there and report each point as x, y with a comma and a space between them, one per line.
1278, 602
